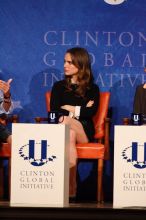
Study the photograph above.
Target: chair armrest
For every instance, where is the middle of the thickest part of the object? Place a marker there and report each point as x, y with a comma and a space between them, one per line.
13, 119
126, 121
40, 119
107, 137
5, 119
5, 150
104, 139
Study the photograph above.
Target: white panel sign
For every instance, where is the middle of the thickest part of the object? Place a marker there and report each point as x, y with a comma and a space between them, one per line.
40, 165
130, 166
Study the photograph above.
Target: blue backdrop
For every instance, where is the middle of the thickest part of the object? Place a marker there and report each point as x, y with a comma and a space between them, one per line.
34, 35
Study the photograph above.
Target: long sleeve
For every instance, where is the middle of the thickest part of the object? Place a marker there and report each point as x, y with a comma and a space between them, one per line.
137, 101
55, 101
87, 112
56, 98
139, 105
61, 96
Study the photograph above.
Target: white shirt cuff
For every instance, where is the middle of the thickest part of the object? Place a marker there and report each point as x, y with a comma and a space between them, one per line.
71, 114
77, 111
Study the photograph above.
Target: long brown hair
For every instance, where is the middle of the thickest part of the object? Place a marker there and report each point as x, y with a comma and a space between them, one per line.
81, 59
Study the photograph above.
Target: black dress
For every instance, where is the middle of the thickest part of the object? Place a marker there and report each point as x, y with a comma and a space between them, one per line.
139, 105
61, 96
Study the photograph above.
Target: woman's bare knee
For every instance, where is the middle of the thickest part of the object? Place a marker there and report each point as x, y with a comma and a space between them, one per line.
72, 135
77, 132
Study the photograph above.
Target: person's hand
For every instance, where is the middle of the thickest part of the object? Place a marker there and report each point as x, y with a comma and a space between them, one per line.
90, 103
69, 108
5, 87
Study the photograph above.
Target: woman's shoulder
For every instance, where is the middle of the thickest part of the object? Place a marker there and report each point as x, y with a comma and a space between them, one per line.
93, 90
59, 84
94, 87
140, 87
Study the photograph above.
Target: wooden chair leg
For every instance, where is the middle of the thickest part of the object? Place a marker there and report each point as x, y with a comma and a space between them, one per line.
9, 177
1, 179
99, 180
72, 181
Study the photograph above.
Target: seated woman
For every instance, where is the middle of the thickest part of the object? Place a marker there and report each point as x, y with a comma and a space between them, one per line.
77, 97
140, 99
5, 106
139, 105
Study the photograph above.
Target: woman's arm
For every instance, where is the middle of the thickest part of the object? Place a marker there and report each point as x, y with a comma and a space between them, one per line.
137, 100
90, 108
56, 98
72, 108
92, 104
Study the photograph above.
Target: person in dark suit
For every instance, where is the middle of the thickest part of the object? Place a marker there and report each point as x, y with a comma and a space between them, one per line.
77, 98
5, 108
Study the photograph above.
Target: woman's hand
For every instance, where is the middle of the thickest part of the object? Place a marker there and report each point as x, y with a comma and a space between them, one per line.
90, 103
69, 108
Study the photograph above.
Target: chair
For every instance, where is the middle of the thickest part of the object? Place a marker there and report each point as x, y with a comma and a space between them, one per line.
5, 154
126, 121
98, 150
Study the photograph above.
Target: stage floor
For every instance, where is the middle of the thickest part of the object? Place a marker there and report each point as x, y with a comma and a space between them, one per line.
74, 211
